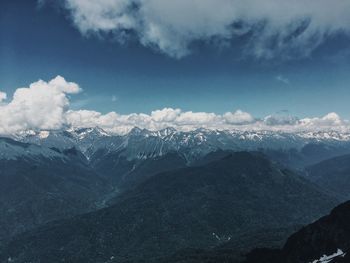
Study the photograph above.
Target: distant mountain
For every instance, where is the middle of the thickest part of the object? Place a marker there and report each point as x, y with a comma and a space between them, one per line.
13, 150
311, 153
118, 158
198, 207
82, 139
332, 175
39, 185
324, 241
292, 149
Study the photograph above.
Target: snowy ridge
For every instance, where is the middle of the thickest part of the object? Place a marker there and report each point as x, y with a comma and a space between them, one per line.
142, 143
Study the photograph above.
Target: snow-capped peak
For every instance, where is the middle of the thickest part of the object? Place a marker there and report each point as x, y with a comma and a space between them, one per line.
141, 142
84, 132
164, 132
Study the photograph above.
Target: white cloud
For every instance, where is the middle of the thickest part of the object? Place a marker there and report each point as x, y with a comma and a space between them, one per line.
238, 117
60, 84
165, 115
275, 27
158, 119
3, 96
197, 118
185, 121
45, 106
328, 121
42, 105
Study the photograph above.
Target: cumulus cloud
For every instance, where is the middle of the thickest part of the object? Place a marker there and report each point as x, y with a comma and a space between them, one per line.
42, 105
330, 120
45, 106
158, 119
271, 27
165, 115
238, 117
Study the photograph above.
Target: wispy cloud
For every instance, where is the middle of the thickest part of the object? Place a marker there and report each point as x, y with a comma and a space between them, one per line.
114, 98
272, 28
282, 79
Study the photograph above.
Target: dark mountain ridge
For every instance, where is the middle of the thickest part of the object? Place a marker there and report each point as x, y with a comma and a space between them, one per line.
39, 185
324, 237
332, 175
199, 207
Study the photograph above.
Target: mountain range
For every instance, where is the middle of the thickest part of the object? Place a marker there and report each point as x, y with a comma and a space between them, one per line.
295, 149
163, 196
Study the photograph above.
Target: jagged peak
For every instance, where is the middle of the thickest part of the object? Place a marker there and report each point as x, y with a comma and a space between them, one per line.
82, 132
138, 131
165, 132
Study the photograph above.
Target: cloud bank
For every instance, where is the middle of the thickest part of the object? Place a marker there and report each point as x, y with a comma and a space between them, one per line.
45, 106
271, 28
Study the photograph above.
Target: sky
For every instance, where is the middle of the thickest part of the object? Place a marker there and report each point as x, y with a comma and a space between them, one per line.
286, 60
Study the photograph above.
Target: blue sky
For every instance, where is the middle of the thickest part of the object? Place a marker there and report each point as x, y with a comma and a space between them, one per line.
42, 42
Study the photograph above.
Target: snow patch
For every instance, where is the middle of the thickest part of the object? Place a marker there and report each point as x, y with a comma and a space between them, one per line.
327, 259
44, 134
